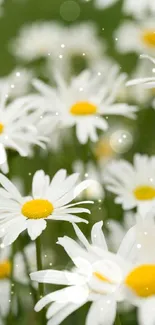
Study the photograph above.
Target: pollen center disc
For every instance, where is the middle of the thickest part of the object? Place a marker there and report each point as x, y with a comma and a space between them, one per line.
37, 209
83, 108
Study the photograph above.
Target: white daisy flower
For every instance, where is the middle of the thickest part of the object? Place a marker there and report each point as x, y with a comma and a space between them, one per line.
18, 126
86, 101
19, 81
139, 9
139, 283
49, 201
97, 278
95, 191
76, 42
143, 40
134, 185
36, 40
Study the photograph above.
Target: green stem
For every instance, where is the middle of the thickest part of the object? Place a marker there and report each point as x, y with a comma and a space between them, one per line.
28, 271
40, 285
39, 265
117, 320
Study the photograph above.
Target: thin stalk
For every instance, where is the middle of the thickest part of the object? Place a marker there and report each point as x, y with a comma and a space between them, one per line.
40, 285
39, 265
117, 320
32, 290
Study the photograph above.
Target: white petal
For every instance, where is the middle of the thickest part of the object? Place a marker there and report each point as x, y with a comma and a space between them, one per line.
54, 309
35, 227
56, 277
127, 247
40, 181
14, 231
82, 186
97, 235
10, 187
67, 217
4, 297
65, 312
146, 314
102, 312
73, 249
71, 294
58, 178
3, 156
81, 236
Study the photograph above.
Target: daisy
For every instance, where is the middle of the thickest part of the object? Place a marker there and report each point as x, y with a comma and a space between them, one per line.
18, 126
49, 201
96, 278
78, 46
133, 185
95, 191
139, 281
85, 101
139, 9
36, 40
143, 40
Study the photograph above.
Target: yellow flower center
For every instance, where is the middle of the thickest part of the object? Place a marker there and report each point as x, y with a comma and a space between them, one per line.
142, 280
103, 149
143, 193
101, 277
83, 108
148, 38
1, 128
37, 209
5, 269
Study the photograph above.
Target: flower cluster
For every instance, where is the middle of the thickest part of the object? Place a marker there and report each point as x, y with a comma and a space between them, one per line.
74, 118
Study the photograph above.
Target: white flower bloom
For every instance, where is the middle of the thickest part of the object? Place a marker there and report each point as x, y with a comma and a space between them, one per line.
85, 101
49, 201
97, 278
139, 9
58, 44
143, 40
95, 191
139, 284
36, 40
19, 81
75, 42
18, 126
134, 185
